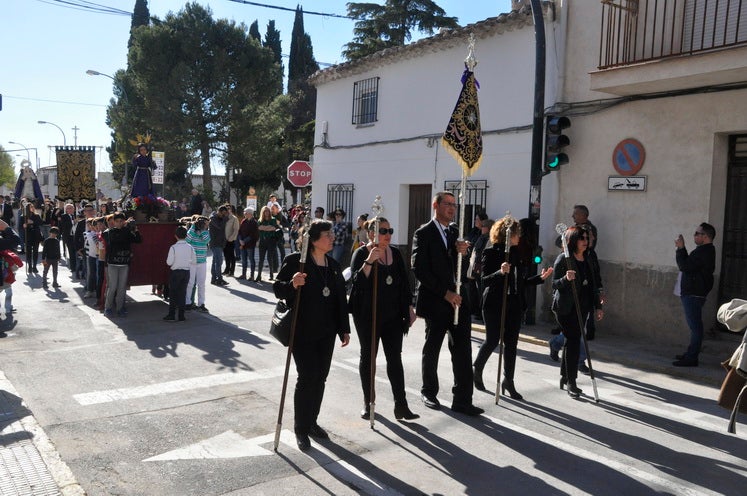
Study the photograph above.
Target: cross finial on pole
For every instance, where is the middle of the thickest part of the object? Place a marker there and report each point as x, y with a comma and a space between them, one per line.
471, 60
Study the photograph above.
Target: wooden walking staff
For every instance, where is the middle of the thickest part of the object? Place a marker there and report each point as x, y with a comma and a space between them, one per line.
376, 209
509, 224
570, 265
294, 321
463, 140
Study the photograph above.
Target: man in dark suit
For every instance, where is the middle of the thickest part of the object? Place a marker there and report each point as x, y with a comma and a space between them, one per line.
435, 249
66, 222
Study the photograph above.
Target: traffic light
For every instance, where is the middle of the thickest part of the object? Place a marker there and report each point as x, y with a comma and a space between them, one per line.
537, 255
555, 141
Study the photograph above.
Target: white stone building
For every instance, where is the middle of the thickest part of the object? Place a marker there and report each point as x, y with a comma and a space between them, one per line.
676, 82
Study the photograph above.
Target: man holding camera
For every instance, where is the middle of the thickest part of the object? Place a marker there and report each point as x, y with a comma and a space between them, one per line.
118, 248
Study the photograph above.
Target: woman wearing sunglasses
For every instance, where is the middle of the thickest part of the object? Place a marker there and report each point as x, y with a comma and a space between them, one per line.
394, 311
578, 271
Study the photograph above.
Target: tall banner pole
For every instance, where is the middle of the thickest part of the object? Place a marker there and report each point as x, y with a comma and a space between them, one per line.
376, 209
463, 141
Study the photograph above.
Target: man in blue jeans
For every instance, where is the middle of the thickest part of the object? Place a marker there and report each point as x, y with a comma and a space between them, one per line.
217, 230
696, 281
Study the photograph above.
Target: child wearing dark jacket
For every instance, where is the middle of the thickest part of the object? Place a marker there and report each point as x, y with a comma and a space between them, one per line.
51, 256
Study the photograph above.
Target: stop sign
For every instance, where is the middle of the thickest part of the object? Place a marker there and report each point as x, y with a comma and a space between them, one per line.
299, 173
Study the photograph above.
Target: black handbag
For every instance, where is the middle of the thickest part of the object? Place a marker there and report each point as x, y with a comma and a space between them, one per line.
280, 325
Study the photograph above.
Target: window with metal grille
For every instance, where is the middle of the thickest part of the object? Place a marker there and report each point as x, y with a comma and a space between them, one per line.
475, 201
341, 196
365, 101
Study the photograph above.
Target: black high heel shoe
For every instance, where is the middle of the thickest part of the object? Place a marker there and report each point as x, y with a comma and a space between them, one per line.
402, 411
573, 390
477, 378
563, 382
509, 386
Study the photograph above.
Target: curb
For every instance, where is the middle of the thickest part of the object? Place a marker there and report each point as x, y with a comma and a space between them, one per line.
58, 469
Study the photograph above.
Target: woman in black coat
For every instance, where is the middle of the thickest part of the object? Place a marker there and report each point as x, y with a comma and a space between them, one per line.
495, 269
580, 269
394, 311
32, 230
322, 315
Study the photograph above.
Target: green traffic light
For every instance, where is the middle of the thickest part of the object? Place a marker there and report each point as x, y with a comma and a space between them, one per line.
537, 259
554, 163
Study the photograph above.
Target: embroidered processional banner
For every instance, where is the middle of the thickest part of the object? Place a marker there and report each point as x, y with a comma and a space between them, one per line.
76, 173
463, 135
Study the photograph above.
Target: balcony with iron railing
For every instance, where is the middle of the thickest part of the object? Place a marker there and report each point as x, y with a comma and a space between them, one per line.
660, 45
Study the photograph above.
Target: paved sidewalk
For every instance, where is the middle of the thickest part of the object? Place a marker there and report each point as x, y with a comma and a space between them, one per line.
29, 463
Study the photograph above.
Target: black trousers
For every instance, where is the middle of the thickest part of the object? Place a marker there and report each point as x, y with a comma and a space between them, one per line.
53, 265
312, 361
492, 318
229, 254
69, 242
32, 253
572, 332
178, 280
460, 346
390, 335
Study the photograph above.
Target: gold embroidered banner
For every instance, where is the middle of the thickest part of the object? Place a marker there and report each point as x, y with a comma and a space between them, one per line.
76, 173
463, 136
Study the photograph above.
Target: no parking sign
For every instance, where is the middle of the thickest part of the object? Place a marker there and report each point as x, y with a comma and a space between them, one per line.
628, 157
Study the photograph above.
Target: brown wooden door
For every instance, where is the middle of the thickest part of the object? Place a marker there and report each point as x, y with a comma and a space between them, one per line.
420, 212
734, 253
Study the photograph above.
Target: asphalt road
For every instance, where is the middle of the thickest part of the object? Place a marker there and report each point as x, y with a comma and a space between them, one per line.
138, 406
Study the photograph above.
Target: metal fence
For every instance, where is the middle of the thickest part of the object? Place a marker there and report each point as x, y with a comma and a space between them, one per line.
636, 31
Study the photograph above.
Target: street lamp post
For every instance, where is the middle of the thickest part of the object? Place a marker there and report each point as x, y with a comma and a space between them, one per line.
118, 84
28, 155
64, 139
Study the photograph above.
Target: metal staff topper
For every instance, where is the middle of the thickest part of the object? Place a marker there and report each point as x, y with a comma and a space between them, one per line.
561, 229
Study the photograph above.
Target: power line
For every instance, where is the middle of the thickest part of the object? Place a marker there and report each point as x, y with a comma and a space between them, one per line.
277, 7
86, 6
53, 101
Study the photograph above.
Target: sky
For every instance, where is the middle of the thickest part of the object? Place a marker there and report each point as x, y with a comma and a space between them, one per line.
47, 47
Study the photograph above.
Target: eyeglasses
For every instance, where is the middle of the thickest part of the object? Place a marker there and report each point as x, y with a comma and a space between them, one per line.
448, 204
384, 230
329, 234
699, 233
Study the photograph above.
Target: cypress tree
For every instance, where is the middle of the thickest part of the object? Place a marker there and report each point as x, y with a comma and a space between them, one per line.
140, 17
254, 31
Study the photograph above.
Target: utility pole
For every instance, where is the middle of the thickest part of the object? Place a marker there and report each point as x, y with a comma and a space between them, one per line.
75, 135
535, 186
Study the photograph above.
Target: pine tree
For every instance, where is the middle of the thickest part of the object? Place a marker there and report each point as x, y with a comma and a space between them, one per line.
391, 24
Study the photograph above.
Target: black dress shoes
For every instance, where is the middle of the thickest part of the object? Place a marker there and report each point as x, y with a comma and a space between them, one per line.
431, 402
317, 432
685, 362
471, 410
303, 442
366, 412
